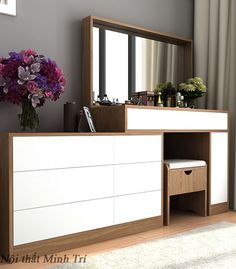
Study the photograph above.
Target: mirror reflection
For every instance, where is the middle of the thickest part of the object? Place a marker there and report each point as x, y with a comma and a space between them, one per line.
124, 64
157, 62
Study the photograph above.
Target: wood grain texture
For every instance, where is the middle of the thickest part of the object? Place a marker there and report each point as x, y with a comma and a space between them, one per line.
166, 198
25, 134
178, 109
141, 31
219, 208
87, 61
5, 197
109, 118
179, 182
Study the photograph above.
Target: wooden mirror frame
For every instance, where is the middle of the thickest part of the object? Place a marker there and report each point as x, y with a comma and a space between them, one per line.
87, 49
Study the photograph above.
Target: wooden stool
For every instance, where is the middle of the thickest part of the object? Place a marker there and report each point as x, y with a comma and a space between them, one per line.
188, 180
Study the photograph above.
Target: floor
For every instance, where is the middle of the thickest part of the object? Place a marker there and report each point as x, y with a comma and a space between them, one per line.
179, 223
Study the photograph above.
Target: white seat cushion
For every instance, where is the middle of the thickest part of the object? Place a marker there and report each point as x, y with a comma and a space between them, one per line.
182, 163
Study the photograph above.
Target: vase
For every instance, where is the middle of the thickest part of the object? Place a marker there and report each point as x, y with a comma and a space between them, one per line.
28, 118
192, 103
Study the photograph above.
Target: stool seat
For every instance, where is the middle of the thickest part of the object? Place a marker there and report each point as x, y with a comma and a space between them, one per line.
183, 163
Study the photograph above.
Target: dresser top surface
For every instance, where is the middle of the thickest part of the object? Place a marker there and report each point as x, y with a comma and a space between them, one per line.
161, 108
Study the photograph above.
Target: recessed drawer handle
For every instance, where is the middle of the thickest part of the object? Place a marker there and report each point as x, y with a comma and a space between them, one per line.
188, 172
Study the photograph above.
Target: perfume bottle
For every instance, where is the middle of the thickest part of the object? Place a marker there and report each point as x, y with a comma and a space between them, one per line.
178, 99
105, 100
140, 100
98, 101
159, 102
182, 102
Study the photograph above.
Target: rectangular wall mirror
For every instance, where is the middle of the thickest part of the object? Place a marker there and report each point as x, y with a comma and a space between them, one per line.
120, 59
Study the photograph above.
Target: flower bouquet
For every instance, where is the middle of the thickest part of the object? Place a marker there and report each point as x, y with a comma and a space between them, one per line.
28, 79
192, 89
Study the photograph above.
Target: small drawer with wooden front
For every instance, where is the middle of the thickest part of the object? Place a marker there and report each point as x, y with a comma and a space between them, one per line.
185, 187
187, 180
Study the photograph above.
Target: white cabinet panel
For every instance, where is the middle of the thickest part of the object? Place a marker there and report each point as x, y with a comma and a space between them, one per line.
219, 168
49, 152
134, 178
138, 148
44, 223
137, 206
153, 119
50, 187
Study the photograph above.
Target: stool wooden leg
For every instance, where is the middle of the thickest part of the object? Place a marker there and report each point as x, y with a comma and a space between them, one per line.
167, 210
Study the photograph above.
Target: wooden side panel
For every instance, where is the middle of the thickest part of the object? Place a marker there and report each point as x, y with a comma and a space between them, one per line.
109, 118
5, 194
188, 58
87, 60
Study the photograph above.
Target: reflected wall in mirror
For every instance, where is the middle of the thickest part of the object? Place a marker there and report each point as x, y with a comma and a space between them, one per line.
157, 62
119, 59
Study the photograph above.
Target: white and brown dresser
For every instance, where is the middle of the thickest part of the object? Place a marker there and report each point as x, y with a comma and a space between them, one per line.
64, 190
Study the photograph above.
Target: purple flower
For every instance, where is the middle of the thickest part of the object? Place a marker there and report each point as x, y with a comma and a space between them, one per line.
32, 86
15, 56
29, 75
41, 81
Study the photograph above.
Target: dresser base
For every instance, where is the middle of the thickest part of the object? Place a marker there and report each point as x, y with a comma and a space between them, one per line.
86, 238
219, 208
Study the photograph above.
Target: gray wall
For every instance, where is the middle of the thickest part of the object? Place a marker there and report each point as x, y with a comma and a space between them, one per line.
52, 27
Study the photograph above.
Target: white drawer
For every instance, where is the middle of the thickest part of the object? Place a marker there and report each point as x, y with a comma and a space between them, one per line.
138, 148
49, 222
134, 178
154, 119
137, 206
50, 187
49, 152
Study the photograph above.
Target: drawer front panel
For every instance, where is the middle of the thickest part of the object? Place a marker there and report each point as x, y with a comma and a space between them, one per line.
187, 180
36, 153
137, 206
138, 148
45, 223
154, 119
134, 178
52, 187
